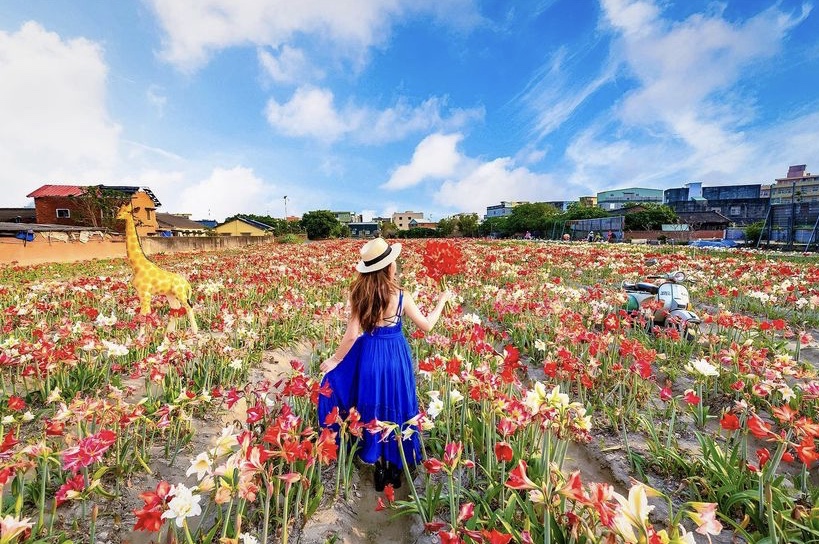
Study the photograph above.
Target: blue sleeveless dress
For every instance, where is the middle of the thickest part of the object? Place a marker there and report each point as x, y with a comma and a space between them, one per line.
377, 377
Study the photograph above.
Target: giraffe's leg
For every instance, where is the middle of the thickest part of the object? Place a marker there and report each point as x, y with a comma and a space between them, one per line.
144, 307
182, 295
173, 302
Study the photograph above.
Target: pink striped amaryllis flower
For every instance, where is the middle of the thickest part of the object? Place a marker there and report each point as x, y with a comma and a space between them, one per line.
89, 450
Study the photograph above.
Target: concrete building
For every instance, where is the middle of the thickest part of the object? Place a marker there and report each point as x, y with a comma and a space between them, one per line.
402, 219
587, 201
348, 217
741, 204
169, 224
503, 209
242, 226
369, 229
618, 199
71, 205
799, 186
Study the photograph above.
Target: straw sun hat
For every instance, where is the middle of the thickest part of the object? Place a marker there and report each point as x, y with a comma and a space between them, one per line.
376, 254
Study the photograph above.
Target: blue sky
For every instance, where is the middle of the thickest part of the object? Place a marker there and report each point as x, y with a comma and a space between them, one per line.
375, 106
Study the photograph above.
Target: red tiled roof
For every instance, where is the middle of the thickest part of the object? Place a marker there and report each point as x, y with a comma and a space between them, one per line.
57, 190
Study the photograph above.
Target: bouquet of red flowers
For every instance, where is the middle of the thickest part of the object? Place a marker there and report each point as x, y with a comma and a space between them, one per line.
442, 258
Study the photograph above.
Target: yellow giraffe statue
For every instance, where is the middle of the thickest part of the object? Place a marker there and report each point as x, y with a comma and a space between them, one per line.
149, 279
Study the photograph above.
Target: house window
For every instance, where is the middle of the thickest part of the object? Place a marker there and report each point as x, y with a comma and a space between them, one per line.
63, 213
736, 210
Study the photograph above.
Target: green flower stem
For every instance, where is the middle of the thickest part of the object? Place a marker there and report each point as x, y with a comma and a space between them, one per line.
411, 483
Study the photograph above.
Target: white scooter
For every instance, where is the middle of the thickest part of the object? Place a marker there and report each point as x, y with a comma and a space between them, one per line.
664, 304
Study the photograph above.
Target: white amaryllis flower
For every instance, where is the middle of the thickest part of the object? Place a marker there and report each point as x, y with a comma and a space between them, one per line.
435, 407
104, 320
636, 507
249, 539
236, 364
540, 345
200, 465
702, 367
183, 505
556, 399
455, 397
535, 397
114, 350
225, 443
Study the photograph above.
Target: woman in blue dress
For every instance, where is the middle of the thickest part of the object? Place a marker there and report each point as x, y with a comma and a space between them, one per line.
372, 369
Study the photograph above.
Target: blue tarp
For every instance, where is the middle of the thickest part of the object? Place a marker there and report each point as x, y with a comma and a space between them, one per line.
713, 243
27, 236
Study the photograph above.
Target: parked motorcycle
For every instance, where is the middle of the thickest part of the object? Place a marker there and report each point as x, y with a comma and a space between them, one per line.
664, 304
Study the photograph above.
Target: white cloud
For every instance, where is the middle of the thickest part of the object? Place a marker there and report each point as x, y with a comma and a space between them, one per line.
196, 28
157, 99
311, 112
469, 184
436, 157
55, 127
226, 192
688, 114
289, 65
497, 180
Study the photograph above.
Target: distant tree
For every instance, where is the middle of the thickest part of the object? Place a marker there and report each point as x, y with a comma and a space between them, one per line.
97, 206
388, 229
493, 226
753, 232
530, 217
651, 217
468, 225
576, 210
320, 224
418, 232
447, 226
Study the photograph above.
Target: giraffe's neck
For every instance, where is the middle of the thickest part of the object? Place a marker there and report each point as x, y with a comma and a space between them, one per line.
136, 256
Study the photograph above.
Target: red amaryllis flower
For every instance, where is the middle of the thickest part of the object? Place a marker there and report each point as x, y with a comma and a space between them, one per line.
76, 483
379, 505
600, 497
433, 466
466, 512
149, 518
326, 447
784, 414
389, 492
573, 489
495, 537
449, 537
8, 442
503, 452
16, 404
666, 394
764, 456
759, 428
89, 450
729, 422
691, 397
442, 258
806, 451
518, 478
452, 453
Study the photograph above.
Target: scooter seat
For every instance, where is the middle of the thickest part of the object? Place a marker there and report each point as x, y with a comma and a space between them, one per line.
643, 287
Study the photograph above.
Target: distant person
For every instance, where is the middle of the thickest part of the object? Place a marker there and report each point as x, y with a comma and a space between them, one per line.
527, 236
372, 369
590, 237
567, 237
610, 236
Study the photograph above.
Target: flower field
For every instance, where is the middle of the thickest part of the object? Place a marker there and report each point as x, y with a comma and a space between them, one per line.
549, 414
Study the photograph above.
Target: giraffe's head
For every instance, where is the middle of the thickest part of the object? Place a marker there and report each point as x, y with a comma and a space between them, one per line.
125, 211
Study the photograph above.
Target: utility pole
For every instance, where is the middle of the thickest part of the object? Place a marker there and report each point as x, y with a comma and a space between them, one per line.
285, 207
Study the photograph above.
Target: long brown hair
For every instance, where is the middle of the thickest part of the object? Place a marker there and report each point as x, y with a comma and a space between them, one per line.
370, 296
